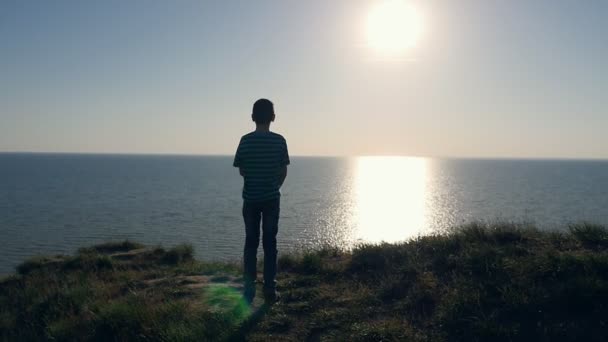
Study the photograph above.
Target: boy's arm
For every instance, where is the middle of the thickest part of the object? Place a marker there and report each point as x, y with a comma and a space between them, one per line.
283, 175
284, 162
237, 158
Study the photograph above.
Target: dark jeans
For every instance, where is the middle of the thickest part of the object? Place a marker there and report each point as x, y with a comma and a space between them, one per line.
268, 213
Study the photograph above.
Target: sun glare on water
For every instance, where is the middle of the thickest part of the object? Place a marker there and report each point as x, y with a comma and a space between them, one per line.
393, 26
390, 195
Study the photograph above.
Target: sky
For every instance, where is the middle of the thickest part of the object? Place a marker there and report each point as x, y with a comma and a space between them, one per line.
491, 79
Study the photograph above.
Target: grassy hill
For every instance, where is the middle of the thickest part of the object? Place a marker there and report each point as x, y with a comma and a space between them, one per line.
498, 282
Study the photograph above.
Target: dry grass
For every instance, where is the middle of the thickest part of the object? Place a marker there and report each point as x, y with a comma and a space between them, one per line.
497, 282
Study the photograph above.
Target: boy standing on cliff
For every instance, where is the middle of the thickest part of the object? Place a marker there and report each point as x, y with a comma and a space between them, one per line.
262, 159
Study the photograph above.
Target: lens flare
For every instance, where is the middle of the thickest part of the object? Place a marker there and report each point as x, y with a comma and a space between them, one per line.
227, 300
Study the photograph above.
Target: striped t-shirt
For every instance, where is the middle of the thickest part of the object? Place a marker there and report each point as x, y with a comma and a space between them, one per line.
261, 156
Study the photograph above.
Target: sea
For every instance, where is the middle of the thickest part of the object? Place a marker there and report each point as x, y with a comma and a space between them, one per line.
56, 203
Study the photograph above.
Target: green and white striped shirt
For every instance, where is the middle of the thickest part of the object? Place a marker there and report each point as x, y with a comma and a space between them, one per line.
261, 156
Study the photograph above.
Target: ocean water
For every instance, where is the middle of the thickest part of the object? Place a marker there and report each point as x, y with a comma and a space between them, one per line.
56, 203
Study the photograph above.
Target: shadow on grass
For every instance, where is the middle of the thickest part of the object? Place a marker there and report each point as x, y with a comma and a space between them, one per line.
254, 318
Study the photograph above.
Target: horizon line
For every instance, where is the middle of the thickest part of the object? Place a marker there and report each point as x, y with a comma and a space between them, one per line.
177, 154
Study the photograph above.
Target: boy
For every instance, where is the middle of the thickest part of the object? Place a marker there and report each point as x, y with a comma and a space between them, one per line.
262, 159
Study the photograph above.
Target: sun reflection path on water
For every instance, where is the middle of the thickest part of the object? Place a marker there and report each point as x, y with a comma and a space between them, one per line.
390, 198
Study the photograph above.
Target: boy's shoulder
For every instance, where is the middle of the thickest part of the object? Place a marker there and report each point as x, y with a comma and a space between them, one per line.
277, 135
255, 134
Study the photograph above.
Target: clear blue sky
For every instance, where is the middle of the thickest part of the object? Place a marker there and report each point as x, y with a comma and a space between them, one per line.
511, 78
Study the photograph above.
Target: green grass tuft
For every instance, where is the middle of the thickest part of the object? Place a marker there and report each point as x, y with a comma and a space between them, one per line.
39, 262
111, 247
179, 254
590, 235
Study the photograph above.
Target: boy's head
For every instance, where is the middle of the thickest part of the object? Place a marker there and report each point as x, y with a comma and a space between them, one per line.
263, 112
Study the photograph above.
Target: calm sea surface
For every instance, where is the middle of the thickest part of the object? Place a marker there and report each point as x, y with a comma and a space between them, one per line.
55, 203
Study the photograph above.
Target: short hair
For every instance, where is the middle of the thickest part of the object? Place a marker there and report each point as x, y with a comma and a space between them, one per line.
263, 110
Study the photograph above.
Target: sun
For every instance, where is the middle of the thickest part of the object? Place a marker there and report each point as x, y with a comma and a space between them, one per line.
393, 26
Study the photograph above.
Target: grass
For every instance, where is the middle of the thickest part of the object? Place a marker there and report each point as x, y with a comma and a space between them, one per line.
480, 282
